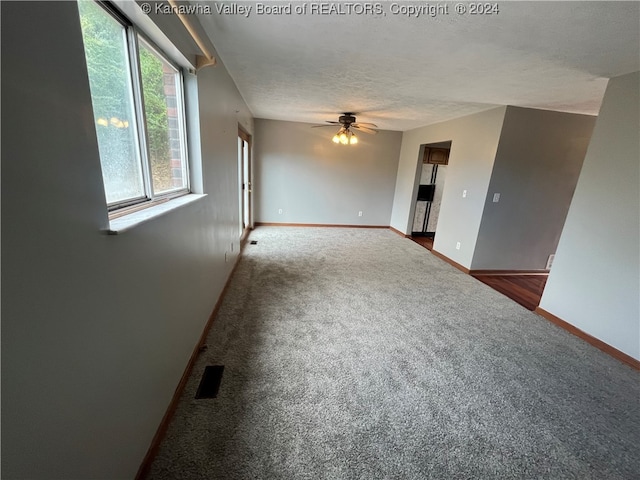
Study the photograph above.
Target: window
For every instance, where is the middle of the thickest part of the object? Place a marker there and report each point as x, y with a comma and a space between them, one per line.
138, 106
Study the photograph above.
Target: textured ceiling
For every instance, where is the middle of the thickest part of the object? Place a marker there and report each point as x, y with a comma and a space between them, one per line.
403, 72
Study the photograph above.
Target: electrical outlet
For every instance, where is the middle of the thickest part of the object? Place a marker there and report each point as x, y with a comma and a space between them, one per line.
360, 213
496, 197
464, 194
279, 211
457, 245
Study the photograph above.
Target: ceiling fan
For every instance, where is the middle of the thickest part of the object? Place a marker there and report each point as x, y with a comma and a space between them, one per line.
345, 135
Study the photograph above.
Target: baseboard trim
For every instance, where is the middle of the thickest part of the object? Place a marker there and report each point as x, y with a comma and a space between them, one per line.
450, 262
244, 236
504, 273
329, 225
605, 347
399, 232
145, 466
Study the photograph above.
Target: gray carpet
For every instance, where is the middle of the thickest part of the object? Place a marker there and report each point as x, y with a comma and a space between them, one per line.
357, 354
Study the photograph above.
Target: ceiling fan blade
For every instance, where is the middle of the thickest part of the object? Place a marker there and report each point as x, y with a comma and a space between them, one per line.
365, 129
332, 122
364, 124
320, 126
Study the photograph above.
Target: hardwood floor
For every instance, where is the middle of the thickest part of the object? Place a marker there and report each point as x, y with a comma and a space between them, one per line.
426, 242
525, 289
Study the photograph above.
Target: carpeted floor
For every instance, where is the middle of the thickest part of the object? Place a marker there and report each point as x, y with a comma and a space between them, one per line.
357, 354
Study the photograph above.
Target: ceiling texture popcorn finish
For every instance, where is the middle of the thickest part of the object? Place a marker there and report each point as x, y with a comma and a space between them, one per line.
403, 68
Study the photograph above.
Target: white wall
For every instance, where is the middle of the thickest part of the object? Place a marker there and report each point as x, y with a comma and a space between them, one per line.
96, 329
594, 283
300, 170
473, 150
535, 172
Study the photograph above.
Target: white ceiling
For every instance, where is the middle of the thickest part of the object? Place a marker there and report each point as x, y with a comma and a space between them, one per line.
401, 73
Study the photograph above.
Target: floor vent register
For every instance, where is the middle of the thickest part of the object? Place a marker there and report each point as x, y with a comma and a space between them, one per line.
210, 382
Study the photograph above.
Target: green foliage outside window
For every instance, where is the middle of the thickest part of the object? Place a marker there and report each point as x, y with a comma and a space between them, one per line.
110, 79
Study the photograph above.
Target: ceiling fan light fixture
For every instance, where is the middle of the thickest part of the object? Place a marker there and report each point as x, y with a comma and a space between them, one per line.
345, 135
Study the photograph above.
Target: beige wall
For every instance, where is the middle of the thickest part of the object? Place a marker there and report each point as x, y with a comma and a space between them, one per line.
96, 329
531, 157
473, 149
300, 170
537, 164
595, 279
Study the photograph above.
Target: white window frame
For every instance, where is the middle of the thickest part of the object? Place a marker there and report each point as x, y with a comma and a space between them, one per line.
149, 199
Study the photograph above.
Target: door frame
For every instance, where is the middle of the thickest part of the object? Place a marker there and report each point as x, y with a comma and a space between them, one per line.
245, 181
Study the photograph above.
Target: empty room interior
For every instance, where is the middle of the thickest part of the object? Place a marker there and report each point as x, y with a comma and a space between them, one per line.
214, 220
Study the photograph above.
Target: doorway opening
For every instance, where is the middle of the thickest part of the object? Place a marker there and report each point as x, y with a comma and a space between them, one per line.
435, 158
244, 176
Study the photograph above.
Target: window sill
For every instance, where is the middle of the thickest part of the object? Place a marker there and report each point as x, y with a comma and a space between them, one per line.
127, 222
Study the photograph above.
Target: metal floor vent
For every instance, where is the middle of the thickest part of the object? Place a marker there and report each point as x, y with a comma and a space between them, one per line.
253, 242
210, 382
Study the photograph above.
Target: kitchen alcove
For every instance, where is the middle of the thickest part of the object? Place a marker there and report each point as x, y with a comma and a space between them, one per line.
435, 158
